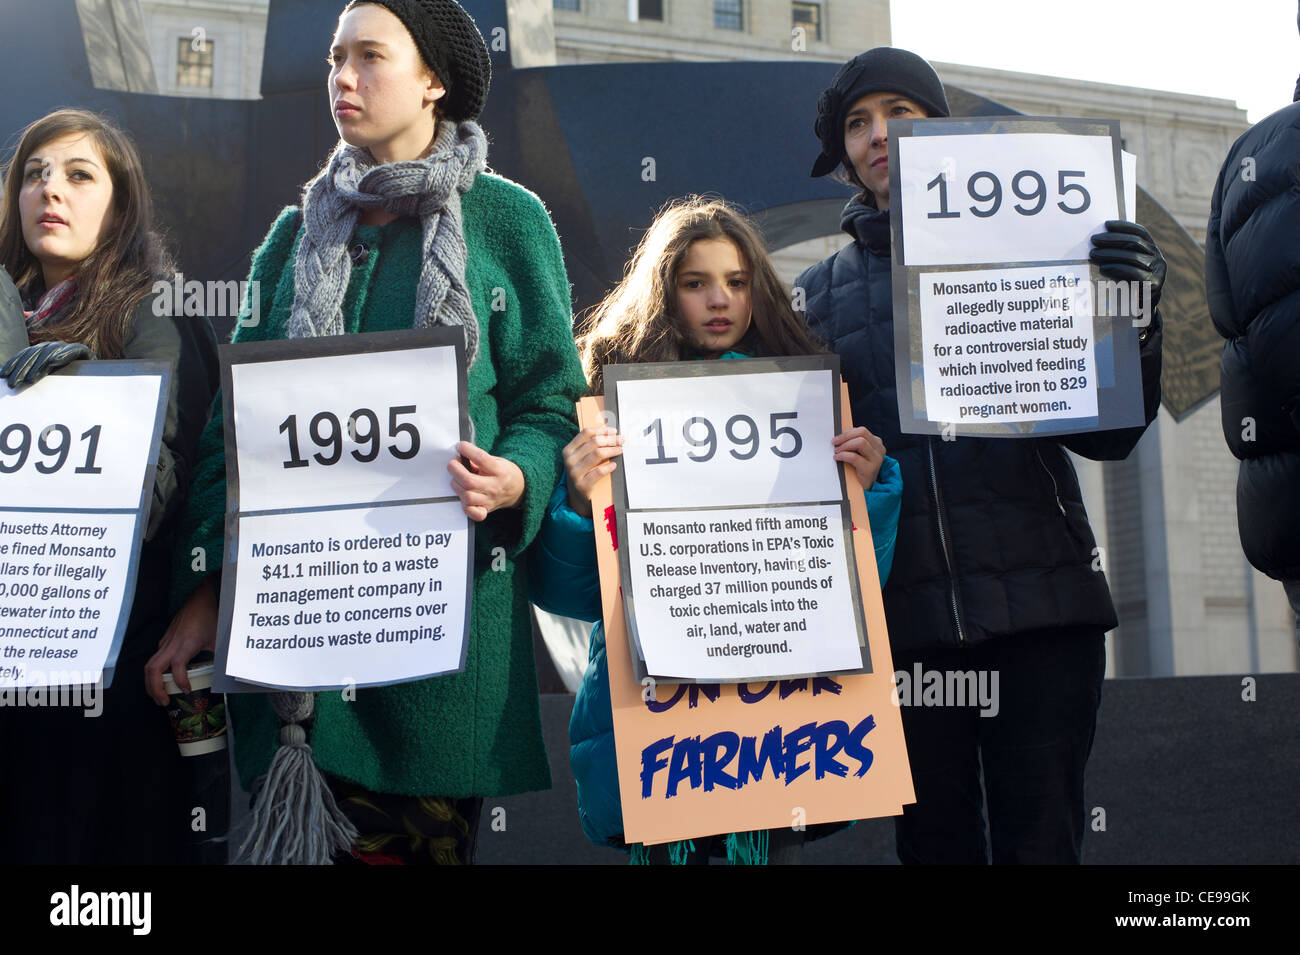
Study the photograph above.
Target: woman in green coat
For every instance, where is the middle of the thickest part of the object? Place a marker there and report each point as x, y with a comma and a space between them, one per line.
405, 228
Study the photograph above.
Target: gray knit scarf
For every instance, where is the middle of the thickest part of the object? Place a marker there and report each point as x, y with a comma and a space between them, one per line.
296, 819
428, 189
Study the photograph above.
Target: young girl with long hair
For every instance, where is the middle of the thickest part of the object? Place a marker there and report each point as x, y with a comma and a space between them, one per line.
700, 286
405, 228
76, 237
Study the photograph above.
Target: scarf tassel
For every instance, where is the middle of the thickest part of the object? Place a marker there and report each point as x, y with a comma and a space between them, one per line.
296, 820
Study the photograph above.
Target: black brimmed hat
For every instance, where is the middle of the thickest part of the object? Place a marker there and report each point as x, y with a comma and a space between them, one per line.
882, 70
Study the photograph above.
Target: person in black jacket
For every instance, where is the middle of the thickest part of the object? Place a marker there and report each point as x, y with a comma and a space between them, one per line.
75, 236
1252, 282
996, 568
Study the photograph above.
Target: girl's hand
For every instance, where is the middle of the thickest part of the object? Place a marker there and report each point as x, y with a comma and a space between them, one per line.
488, 484
587, 460
864, 451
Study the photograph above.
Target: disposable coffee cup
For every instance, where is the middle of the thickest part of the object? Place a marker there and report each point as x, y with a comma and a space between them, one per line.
198, 717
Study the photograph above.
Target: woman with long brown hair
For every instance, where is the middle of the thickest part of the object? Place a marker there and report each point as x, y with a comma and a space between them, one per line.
76, 237
640, 320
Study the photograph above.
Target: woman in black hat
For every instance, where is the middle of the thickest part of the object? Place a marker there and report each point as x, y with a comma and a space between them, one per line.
405, 228
996, 570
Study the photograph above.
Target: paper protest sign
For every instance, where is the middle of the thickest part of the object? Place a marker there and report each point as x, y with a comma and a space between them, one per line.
697, 759
739, 559
1002, 327
78, 451
348, 557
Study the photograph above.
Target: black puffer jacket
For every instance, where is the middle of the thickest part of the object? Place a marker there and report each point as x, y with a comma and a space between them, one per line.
1252, 281
993, 537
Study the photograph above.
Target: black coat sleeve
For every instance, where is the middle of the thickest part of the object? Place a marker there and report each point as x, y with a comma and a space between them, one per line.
189, 345
1117, 444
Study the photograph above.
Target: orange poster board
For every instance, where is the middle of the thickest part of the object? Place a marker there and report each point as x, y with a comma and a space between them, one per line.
704, 759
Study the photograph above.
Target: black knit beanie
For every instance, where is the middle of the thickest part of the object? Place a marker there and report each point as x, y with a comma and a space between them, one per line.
452, 47
882, 70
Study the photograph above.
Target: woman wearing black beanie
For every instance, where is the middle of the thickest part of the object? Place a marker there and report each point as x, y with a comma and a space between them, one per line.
405, 228
995, 568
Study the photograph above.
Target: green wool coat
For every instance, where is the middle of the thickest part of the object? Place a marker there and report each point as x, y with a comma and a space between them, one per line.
476, 733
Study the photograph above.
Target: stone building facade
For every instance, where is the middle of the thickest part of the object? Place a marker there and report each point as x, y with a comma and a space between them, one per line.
207, 47
611, 31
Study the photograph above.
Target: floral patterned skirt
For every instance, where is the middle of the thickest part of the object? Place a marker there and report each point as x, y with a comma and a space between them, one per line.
408, 830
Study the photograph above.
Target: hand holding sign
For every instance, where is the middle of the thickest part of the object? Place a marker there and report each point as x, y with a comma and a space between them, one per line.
488, 484
1126, 252
862, 451
588, 459
33, 363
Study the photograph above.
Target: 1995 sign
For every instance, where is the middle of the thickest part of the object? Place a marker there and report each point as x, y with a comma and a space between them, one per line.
363, 430
990, 190
741, 430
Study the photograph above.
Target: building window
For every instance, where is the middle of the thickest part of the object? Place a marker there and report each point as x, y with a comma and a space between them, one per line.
650, 9
808, 16
728, 14
566, 4
194, 62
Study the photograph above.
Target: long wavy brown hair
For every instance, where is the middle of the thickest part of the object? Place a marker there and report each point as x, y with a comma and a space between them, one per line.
121, 270
638, 320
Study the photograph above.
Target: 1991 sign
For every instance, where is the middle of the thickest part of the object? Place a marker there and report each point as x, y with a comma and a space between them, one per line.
16, 440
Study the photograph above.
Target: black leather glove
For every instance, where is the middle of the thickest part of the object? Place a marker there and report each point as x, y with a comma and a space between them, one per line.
1126, 252
36, 361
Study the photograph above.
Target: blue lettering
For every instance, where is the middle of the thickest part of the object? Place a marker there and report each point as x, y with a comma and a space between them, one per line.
711, 692
824, 684
687, 765
853, 745
654, 706
729, 744
743, 691
797, 742
829, 740
752, 763
792, 686
651, 763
